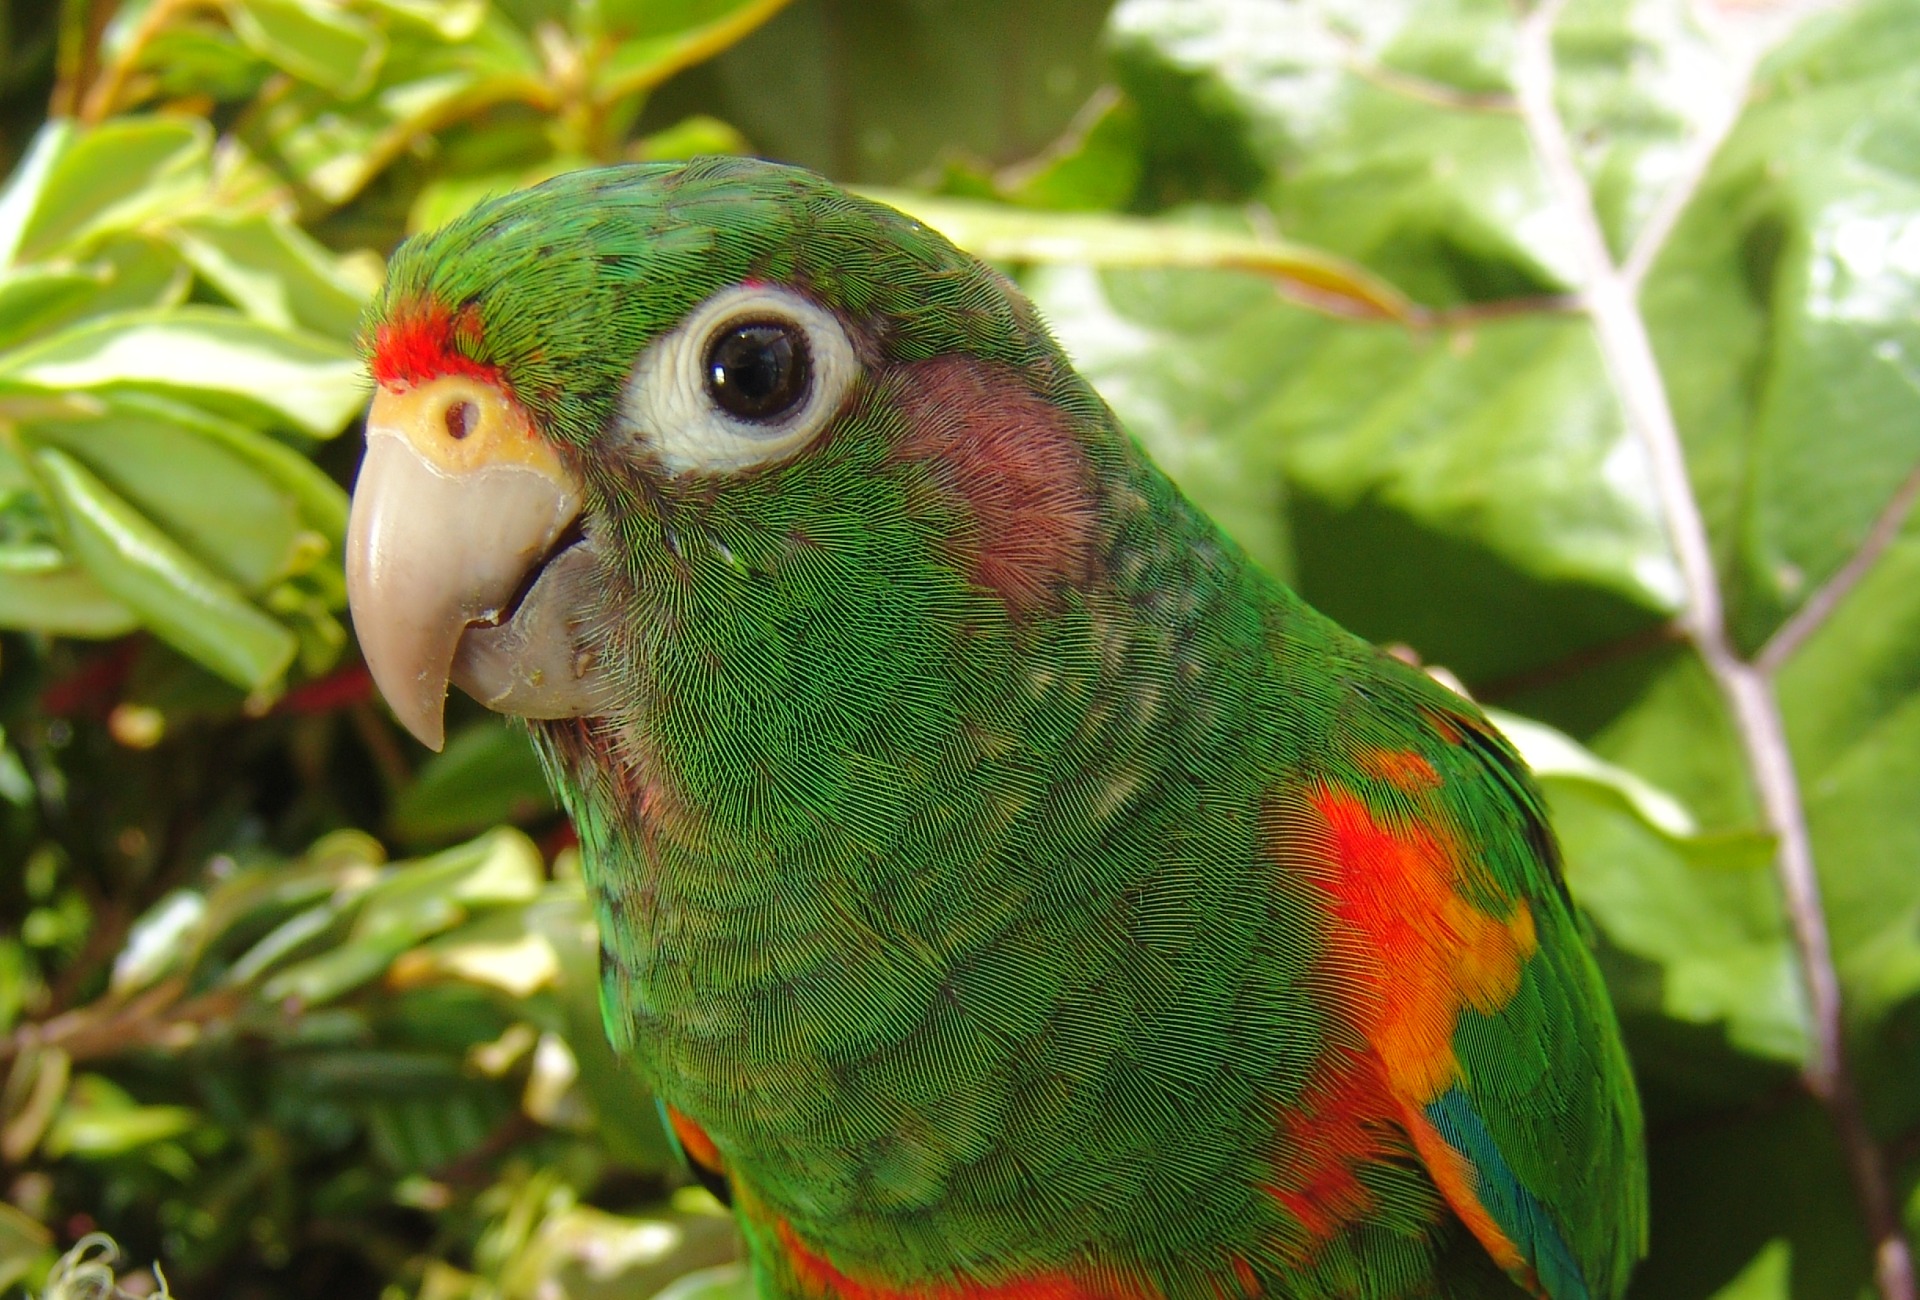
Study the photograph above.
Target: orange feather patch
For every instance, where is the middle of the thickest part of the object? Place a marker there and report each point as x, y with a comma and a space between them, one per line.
695, 1142
1416, 953
1401, 768
1423, 951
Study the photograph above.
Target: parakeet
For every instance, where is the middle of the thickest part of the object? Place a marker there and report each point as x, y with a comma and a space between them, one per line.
1011, 891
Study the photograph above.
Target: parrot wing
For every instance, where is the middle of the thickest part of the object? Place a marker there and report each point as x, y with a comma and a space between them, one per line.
1471, 984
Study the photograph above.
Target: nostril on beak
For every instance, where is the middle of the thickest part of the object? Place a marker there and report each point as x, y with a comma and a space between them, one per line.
461, 416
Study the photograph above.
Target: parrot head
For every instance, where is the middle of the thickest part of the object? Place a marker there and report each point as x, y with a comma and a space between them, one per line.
647, 401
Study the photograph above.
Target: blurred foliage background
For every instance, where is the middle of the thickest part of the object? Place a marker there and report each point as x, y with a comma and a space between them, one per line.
295, 1009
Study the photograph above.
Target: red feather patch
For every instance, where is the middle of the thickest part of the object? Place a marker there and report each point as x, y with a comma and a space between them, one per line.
1013, 459
421, 341
1344, 1120
819, 1278
1414, 952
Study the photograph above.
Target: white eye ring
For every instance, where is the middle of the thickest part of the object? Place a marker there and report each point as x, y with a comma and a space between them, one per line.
669, 408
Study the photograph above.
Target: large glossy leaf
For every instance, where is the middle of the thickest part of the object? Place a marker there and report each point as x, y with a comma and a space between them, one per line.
1438, 487
1499, 490
1385, 132
879, 91
1786, 310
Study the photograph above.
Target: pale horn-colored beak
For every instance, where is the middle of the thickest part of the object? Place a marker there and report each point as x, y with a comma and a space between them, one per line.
465, 561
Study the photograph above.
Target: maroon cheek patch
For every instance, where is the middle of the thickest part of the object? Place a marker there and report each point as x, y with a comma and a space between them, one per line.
1013, 460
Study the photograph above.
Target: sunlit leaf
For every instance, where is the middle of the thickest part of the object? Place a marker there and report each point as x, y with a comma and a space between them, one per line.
100, 1119
179, 598
656, 46
326, 44
1011, 234
114, 177
274, 273
312, 383
1786, 312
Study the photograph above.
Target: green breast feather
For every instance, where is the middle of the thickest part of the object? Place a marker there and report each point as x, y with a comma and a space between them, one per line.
1009, 889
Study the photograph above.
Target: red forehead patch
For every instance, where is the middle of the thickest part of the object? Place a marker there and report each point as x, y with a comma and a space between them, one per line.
421, 341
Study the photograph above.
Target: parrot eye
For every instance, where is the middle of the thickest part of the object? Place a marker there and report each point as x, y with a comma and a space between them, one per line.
752, 375
758, 370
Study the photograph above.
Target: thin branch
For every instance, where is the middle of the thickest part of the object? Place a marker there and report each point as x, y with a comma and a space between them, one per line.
1584, 660
1427, 91
1652, 236
1622, 336
1820, 606
159, 1016
1469, 314
106, 95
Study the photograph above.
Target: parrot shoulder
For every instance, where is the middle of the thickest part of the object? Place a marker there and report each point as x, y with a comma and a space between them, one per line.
1462, 964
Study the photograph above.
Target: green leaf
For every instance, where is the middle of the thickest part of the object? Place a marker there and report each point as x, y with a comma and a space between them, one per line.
1385, 133
325, 44
274, 273
495, 951
137, 272
334, 149
880, 91
1786, 313
1637, 83
190, 58
406, 906
1699, 906
1098, 165
1471, 491
206, 493
33, 300
1851, 698
1705, 913
200, 352
664, 39
487, 774
1767, 1277
115, 177
100, 1120
1558, 759
626, 1121
450, 20
721, 1282
1736, 1186
434, 1125
26, 188
441, 200
585, 1253
1008, 234
41, 591
158, 942
188, 606
24, 1245
689, 138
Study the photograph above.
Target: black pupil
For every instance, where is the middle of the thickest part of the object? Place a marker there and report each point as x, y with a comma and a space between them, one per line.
757, 371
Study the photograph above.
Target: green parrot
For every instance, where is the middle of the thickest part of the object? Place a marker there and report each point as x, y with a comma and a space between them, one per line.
1010, 891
